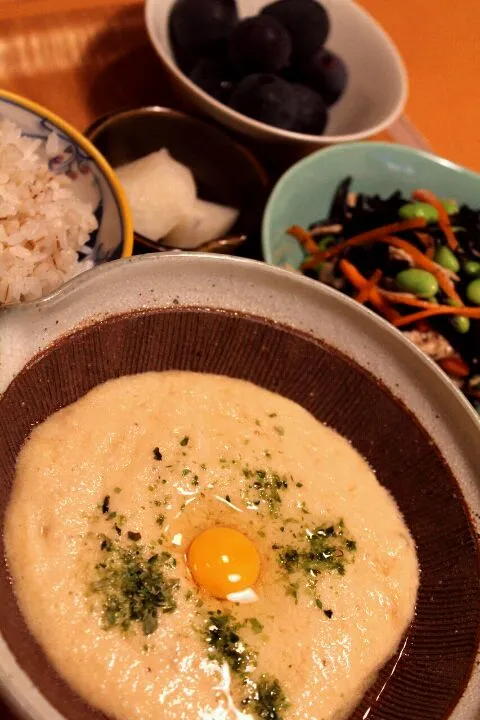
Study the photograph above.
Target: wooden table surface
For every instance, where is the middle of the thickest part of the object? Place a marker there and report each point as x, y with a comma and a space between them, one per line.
82, 58
439, 41
85, 57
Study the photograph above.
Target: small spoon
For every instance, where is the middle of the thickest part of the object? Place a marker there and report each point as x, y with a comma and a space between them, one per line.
222, 245
225, 245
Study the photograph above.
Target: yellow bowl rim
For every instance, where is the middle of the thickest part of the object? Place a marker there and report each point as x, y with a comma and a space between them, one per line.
97, 157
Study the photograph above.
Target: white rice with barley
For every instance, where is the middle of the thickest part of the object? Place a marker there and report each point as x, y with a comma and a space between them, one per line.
42, 224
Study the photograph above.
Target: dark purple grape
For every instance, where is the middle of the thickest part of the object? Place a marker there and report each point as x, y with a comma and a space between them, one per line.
327, 74
213, 75
289, 73
201, 25
259, 45
311, 116
307, 23
266, 98
185, 57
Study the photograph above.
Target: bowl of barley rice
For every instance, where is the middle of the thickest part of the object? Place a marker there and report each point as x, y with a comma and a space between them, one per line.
62, 210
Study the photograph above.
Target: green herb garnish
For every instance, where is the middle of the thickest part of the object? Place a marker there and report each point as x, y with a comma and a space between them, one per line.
167, 559
255, 625
269, 701
184, 441
266, 487
265, 697
325, 549
221, 634
106, 544
289, 559
292, 590
132, 586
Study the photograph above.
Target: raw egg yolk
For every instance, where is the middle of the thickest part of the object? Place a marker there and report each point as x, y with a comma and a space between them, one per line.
223, 562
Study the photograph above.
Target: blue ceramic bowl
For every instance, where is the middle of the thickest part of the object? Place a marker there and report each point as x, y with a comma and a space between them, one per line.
68, 151
304, 193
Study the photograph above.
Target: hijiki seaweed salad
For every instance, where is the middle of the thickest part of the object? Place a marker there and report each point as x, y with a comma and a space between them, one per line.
415, 261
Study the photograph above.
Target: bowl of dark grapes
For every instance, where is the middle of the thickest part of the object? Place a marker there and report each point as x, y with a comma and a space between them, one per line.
298, 71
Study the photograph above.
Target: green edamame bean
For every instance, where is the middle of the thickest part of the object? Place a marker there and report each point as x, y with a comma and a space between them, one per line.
418, 282
472, 267
445, 257
419, 210
451, 206
461, 324
473, 291
325, 242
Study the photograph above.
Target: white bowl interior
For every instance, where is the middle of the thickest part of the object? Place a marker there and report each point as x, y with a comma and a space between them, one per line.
377, 88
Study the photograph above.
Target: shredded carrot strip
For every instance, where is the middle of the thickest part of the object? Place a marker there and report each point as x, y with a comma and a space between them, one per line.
364, 293
352, 274
438, 310
359, 282
304, 238
425, 239
417, 256
363, 239
455, 366
427, 264
406, 299
443, 218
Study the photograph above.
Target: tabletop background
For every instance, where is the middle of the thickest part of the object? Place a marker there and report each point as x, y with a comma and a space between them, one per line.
82, 58
71, 54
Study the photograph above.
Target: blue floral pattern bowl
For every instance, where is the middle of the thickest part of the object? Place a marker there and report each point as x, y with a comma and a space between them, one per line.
68, 151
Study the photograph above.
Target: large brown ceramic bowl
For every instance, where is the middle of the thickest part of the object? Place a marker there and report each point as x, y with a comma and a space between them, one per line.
309, 343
